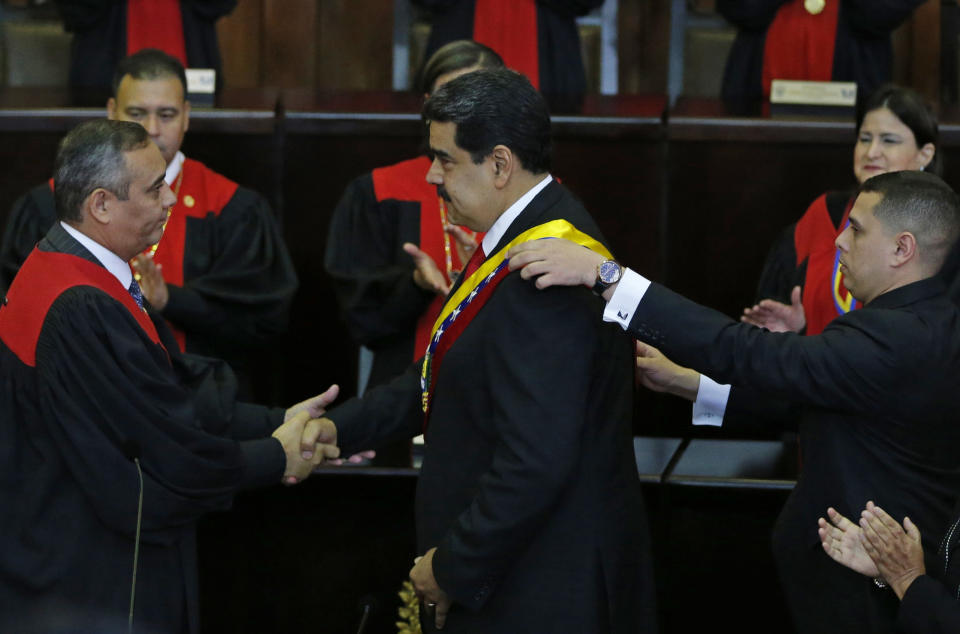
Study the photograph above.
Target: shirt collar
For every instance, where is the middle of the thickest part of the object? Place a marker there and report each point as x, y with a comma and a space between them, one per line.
110, 260
503, 223
173, 169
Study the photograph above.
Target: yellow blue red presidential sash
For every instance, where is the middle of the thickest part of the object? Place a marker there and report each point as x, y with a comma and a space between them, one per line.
842, 299
463, 305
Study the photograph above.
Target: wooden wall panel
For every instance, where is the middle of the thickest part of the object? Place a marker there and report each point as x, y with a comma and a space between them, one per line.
240, 36
354, 45
643, 45
289, 43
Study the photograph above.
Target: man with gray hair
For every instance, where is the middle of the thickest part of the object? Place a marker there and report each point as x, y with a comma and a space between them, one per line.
112, 444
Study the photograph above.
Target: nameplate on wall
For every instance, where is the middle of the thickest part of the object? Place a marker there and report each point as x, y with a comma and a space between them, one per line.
833, 98
813, 93
201, 85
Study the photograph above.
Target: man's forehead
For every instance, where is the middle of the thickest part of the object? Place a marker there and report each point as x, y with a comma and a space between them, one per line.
165, 89
864, 204
145, 162
442, 136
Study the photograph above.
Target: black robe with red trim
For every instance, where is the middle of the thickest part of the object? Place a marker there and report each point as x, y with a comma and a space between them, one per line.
862, 50
804, 255
373, 276
558, 41
227, 268
381, 305
99, 30
87, 386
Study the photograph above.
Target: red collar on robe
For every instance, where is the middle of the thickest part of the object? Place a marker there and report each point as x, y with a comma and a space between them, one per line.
799, 45
510, 28
156, 24
824, 295
202, 191
45, 276
407, 181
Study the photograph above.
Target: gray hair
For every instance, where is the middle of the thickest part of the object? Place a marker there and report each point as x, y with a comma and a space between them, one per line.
90, 157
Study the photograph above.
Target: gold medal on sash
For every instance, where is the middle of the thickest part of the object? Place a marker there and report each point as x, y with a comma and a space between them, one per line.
814, 7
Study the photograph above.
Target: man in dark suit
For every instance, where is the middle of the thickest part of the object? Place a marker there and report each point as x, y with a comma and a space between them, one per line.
529, 512
877, 387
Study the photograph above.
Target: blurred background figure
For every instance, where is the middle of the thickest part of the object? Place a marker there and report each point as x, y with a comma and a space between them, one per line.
820, 40
106, 31
392, 252
538, 38
801, 285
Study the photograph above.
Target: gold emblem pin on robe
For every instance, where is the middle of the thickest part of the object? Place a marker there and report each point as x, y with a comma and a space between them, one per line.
814, 7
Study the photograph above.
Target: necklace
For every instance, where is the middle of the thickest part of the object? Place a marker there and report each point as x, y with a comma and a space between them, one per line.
176, 193
448, 255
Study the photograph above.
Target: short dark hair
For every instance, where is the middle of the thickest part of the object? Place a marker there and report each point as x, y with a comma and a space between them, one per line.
454, 56
922, 204
913, 111
92, 156
495, 107
149, 63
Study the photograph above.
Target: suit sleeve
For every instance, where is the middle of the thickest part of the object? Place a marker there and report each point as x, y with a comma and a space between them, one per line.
853, 365
242, 291
108, 394
387, 413
928, 608
372, 275
30, 218
539, 417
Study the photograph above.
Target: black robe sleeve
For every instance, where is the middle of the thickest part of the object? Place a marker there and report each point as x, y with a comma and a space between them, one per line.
928, 608
30, 218
107, 394
372, 275
240, 293
780, 271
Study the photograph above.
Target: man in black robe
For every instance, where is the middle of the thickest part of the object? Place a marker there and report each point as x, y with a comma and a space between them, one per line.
114, 444
225, 279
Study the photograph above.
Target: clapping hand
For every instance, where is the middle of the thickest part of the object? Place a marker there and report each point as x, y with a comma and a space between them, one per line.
776, 316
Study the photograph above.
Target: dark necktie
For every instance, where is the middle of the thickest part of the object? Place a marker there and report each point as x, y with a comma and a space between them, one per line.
475, 261
135, 292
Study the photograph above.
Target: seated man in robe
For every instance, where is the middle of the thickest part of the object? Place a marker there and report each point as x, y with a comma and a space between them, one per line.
222, 276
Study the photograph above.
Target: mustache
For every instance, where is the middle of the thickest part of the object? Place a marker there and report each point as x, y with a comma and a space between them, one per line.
443, 193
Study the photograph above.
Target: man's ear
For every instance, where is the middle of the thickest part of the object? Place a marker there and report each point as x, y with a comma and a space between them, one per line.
504, 162
186, 115
906, 248
97, 205
926, 155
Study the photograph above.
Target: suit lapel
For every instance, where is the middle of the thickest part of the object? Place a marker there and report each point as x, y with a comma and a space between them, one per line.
58, 240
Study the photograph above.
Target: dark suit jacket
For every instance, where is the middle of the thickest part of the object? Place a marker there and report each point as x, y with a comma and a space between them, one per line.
879, 422
529, 487
931, 604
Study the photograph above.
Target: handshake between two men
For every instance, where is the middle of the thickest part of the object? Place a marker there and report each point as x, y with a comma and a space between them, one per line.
308, 440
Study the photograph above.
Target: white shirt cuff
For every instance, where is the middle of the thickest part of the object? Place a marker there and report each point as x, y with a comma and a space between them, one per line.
626, 298
711, 402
